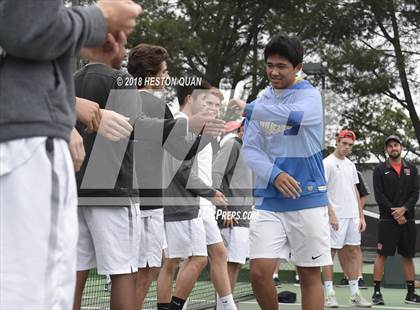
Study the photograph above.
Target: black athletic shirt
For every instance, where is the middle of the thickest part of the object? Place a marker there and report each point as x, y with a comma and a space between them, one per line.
393, 190
362, 186
112, 162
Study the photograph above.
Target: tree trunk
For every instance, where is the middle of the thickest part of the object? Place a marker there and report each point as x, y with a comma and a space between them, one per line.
403, 76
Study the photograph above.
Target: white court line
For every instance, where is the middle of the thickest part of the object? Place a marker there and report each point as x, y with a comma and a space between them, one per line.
376, 215
340, 306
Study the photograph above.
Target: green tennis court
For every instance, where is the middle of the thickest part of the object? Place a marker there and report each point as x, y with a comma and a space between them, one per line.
203, 298
96, 297
394, 299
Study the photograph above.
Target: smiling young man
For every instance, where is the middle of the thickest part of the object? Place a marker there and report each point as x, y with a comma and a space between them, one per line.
184, 228
147, 63
396, 187
216, 249
283, 146
346, 218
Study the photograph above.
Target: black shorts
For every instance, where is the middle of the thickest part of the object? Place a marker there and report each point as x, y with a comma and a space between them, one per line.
392, 236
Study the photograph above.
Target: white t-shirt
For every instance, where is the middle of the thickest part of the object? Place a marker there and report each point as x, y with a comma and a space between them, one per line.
341, 175
205, 160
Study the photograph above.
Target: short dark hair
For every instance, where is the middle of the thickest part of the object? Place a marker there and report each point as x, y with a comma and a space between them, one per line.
182, 92
288, 47
144, 60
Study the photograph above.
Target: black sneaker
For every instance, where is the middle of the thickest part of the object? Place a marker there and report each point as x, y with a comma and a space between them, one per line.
276, 282
412, 298
377, 299
362, 284
344, 282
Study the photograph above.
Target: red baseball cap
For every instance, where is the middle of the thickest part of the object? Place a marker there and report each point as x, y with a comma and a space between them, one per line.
347, 134
232, 125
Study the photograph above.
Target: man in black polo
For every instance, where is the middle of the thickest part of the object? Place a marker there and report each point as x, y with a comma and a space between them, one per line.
396, 187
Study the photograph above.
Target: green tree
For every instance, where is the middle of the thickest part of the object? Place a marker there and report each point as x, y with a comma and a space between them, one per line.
372, 50
215, 39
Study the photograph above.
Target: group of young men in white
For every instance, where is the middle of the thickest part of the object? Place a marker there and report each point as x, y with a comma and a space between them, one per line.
157, 246
153, 237
136, 230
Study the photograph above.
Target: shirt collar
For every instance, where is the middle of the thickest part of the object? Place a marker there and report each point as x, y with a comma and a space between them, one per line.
404, 163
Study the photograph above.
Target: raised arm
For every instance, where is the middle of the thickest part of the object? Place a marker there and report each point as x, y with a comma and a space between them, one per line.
305, 110
46, 30
190, 180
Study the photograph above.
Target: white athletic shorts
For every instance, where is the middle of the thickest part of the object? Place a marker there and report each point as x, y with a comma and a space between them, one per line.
237, 243
302, 235
152, 238
207, 213
185, 238
38, 224
347, 234
108, 239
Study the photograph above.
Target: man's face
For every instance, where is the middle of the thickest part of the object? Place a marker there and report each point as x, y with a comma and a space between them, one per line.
280, 71
205, 101
393, 149
344, 146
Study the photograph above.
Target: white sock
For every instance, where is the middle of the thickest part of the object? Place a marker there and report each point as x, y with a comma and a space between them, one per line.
328, 287
218, 303
275, 275
186, 304
226, 303
354, 286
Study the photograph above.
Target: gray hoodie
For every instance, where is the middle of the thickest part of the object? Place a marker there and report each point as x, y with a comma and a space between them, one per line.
234, 179
182, 196
40, 39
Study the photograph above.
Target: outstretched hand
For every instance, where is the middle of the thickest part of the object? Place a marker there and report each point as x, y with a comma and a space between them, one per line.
206, 123
114, 126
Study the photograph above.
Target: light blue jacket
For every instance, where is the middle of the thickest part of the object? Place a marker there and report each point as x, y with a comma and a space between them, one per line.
284, 133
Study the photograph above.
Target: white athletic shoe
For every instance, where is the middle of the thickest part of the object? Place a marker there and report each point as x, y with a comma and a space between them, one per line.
331, 301
358, 300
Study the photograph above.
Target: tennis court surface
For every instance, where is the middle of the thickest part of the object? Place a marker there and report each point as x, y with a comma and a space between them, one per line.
96, 297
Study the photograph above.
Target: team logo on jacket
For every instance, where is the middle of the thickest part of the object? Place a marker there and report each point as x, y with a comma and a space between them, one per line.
407, 171
270, 128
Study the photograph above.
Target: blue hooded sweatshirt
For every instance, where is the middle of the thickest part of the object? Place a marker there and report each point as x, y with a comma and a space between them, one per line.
284, 133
